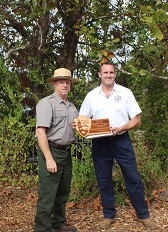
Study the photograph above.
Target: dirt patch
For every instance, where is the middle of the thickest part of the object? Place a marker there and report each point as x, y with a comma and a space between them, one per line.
18, 208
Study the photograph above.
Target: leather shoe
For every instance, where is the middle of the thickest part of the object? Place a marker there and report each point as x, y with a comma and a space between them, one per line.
149, 224
106, 223
64, 228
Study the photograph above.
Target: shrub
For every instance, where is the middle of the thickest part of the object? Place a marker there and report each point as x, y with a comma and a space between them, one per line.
15, 144
150, 166
84, 184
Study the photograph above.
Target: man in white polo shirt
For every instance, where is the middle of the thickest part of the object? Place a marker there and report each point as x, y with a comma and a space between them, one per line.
117, 103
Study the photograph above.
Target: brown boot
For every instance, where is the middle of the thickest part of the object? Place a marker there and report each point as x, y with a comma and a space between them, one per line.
105, 223
64, 228
149, 223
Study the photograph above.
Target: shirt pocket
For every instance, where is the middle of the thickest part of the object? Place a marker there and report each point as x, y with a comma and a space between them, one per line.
59, 119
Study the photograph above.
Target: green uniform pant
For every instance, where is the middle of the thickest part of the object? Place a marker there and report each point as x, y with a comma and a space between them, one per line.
53, 190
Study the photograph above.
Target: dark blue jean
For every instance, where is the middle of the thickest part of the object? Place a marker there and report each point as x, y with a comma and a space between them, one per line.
104, 151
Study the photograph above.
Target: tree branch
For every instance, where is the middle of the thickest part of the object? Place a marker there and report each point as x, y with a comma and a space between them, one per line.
16, 25
14, 50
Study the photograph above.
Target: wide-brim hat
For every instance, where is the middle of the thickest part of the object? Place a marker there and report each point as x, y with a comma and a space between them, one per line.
64, 74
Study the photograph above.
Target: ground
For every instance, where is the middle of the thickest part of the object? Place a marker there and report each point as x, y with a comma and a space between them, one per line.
18, 208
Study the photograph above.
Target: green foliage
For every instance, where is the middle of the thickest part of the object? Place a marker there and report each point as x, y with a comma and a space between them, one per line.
78, 92
119, 186
151, 145
84, 184
9, 93
155, 120
15, 145
17, 131
150, 166
152, 18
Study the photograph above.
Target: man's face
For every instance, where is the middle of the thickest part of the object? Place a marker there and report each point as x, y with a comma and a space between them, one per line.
62, 87
107, 75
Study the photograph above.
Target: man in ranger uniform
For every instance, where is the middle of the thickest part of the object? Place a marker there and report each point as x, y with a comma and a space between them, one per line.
54, 117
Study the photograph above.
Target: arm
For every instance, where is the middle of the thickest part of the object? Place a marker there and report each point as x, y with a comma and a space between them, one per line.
133, 123
43, 143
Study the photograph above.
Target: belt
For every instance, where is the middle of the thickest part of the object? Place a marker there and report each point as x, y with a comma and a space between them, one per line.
59, 146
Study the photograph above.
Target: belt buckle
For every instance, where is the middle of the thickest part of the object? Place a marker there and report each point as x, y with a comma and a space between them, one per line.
68, 148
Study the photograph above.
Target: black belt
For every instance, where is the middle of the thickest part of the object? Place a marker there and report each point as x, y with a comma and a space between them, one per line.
59, 146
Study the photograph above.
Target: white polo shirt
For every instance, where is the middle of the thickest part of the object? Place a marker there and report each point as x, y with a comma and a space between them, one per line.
119, 107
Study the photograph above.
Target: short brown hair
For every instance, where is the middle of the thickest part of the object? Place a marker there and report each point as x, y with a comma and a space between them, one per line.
107, 63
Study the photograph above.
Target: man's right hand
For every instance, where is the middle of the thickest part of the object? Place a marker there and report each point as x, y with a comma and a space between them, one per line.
51, 165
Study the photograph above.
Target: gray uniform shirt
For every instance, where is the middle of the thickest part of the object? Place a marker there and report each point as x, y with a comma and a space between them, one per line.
51, 112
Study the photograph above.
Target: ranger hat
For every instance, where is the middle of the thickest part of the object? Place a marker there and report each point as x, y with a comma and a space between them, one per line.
64, 74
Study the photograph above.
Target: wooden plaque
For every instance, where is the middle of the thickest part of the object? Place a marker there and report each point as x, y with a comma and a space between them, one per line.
92, 128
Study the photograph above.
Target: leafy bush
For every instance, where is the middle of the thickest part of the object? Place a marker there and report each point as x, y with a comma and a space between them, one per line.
149, 166
155, 121
15, 144
84, 184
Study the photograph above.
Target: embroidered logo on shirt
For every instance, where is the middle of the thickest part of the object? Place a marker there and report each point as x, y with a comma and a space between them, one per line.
117, 98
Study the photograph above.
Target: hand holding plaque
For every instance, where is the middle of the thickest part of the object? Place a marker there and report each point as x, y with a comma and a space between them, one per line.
92, 128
